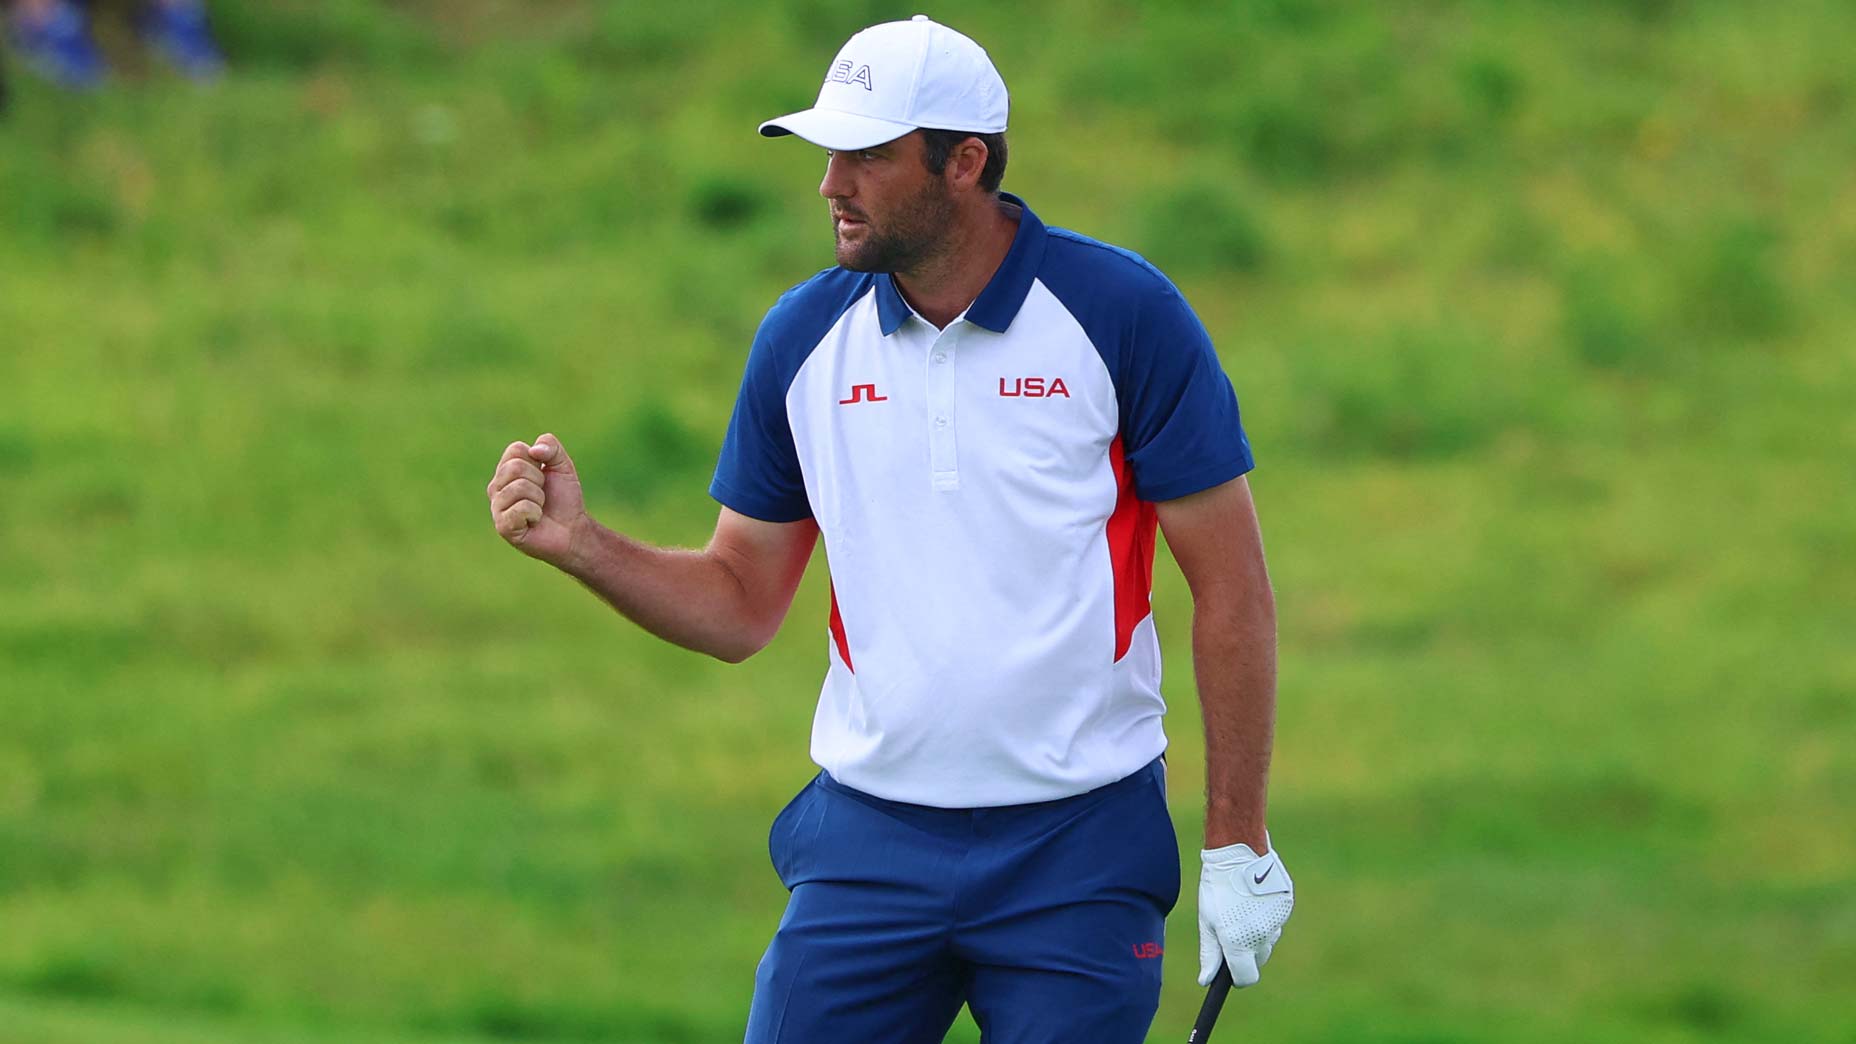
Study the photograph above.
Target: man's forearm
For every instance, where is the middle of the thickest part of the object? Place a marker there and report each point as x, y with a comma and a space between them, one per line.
688, 597
1234, 658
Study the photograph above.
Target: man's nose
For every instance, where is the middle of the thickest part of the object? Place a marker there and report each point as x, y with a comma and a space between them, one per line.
838, 181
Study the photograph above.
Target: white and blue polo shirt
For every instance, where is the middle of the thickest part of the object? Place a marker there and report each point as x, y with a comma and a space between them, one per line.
985, 494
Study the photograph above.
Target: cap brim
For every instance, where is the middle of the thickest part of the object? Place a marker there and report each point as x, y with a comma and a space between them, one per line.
838, 131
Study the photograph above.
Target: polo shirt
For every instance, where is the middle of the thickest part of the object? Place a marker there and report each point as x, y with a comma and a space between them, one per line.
985, 495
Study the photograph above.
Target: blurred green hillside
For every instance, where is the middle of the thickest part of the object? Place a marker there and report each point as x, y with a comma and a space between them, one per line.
1543, 316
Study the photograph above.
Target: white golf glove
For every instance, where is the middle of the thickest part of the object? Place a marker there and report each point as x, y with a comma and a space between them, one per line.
1244, 900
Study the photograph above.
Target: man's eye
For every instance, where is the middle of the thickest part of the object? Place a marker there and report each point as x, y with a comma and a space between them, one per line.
866, 155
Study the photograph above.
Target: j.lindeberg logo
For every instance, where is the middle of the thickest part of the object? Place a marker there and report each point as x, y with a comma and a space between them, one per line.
863, 393
844, 72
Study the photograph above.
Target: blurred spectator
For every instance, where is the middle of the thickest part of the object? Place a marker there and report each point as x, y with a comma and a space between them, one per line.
53, 36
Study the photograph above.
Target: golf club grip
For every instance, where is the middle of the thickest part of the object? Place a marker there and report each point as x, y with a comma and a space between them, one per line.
1214, 1003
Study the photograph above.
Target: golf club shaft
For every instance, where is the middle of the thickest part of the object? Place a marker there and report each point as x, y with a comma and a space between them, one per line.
1214, 1002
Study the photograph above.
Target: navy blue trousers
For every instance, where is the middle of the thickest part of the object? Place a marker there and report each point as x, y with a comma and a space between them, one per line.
1047, 919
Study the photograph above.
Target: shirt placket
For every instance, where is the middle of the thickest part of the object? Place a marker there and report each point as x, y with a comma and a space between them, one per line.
943, 455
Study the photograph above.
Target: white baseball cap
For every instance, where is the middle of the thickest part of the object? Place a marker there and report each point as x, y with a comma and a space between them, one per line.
893, 78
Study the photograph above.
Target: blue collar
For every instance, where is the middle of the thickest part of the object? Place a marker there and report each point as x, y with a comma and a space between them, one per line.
998, 304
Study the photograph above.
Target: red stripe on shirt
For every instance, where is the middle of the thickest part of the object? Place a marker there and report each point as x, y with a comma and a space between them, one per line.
1130, 552
837, 632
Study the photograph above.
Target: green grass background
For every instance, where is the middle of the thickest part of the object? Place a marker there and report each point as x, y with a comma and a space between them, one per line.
1544, 320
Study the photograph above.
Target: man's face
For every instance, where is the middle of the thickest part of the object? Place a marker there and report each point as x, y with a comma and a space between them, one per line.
888, 212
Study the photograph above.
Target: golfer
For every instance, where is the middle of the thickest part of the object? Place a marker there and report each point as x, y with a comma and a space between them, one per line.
985, 418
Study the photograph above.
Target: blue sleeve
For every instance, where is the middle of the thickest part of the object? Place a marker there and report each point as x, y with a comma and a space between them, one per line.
758, 473
1179, 418
1180, 428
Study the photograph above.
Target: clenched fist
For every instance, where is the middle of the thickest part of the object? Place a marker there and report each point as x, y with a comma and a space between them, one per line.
535, 500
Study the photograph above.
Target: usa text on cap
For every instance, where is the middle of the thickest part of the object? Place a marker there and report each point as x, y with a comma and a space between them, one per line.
896, 77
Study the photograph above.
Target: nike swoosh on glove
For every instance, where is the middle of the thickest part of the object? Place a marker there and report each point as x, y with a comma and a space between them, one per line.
1244, 900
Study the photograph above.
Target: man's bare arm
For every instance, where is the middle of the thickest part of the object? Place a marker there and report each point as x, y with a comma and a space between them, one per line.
1215, 537
727, 599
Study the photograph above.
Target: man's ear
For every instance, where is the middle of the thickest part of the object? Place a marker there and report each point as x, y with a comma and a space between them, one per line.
967, 162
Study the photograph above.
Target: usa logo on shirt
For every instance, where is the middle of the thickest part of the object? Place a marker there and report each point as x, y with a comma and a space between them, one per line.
1033, 388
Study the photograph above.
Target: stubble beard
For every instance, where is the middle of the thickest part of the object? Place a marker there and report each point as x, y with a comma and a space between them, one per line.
910, 237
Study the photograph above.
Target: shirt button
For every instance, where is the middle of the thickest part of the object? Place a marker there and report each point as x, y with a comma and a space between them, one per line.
940, 422
940, 357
